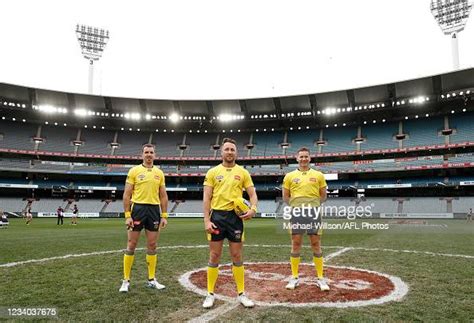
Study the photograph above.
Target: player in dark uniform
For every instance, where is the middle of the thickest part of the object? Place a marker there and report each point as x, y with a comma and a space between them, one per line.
75, 214
60, 215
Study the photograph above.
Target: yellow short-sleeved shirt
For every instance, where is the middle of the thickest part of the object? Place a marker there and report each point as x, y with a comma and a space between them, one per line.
304, 184
146, 184
227, 184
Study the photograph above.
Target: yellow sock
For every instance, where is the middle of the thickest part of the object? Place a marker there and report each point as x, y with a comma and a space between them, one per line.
212, 274
151, 260
318, 263
238, 271
295, 263
128, 258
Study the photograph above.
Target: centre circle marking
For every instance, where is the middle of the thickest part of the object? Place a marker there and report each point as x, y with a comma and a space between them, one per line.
265, 285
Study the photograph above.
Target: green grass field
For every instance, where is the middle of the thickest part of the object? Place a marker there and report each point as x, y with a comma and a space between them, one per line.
441, 287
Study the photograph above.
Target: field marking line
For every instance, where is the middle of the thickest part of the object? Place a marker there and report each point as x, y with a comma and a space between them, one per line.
97, 253
336, 253
430, 253
230, 305
213, 314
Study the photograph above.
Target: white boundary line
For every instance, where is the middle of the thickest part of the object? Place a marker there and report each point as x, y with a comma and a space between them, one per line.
400, 290
335, 254
218, 311
96, 253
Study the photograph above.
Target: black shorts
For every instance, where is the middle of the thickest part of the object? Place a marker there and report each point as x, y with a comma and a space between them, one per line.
146, 216
310, 223
230, 226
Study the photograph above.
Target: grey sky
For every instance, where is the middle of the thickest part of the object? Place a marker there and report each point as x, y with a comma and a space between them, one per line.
226, 49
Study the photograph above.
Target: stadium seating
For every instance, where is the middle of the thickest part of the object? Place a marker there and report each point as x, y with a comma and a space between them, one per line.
131, 143
424, 132
379, 136
57, 139
200, 144
464, 126
267, 143
339, 139
17, 135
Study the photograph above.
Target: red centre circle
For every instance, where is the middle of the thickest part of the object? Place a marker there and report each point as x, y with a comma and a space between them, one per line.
265, 282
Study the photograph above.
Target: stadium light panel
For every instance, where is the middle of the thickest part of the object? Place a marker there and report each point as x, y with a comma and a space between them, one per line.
80, 112
174, 117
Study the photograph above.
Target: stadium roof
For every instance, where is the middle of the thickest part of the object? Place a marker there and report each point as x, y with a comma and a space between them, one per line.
433, 86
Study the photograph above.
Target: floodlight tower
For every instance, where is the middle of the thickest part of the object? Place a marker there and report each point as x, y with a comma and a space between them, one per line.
92, 41
451, 16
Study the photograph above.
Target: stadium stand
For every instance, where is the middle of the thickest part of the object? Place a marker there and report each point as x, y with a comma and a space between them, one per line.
339, 140
464, 126
15, 135
427, 134
201, 144
267, 143
380, 136
131, 143
57, 139
96, 141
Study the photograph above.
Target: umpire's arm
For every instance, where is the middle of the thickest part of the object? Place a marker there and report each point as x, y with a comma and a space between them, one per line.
163, 199
323, 195
127, 199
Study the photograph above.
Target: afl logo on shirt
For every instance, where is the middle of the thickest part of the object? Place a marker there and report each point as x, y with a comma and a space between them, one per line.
313, 179
219, 178
237, 177
141, 177
157, 177
296, 180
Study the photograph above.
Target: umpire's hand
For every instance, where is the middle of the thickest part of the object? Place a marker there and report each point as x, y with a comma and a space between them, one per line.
163, 223
210, 227
247, 216
129, 223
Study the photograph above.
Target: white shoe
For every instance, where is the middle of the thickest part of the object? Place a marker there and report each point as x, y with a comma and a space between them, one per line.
245, 301
323, 285
293, 283
209, 301
125, 286
154, 284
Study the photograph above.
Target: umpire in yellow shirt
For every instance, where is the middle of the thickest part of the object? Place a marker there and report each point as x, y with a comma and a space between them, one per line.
305, 184
223, 186
144, 196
